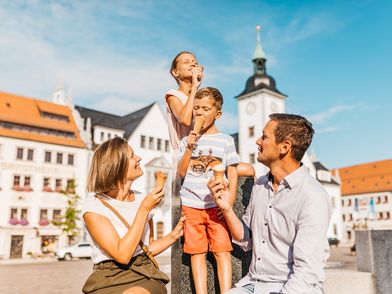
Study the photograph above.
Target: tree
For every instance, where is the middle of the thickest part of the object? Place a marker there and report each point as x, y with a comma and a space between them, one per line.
68, 221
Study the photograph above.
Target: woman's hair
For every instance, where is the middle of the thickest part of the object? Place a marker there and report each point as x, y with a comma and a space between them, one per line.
109, 166
175, 61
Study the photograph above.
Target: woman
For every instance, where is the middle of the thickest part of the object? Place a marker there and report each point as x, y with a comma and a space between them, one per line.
120, 263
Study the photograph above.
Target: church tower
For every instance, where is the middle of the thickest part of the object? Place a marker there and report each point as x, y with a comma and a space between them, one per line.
257, 101
61, 95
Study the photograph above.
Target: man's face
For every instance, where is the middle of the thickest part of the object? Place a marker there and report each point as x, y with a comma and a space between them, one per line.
268, 149
206, 107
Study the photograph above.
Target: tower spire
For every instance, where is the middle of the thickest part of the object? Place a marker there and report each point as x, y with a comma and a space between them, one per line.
259, 52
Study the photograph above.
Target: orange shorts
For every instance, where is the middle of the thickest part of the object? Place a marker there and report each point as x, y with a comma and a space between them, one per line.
204, 231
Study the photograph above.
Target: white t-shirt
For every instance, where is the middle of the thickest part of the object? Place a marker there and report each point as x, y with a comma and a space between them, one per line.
128, 211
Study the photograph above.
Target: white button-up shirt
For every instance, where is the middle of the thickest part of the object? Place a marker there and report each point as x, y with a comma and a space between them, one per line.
287, 232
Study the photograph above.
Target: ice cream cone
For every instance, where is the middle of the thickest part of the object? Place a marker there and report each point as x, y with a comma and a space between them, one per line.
199, 122
219, 173
160, 179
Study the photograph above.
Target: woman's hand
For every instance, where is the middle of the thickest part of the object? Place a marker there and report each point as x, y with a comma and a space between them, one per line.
178, 231
153, 199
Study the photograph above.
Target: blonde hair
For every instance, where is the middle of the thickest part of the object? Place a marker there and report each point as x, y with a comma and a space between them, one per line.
109, 166
213, 94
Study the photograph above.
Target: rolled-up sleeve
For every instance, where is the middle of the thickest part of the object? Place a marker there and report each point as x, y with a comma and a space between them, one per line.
309, 246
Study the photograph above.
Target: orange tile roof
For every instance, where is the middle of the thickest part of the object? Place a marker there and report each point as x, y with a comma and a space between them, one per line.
366, 178
27, 111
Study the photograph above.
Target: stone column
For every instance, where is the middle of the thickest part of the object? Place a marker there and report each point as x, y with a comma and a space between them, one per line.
181, 274
374, 255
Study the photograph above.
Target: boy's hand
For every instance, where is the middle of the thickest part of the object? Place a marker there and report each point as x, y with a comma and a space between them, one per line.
221, 195
192, 140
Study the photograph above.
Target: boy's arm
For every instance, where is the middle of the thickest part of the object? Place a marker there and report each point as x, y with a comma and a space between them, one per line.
232, 176
187, 154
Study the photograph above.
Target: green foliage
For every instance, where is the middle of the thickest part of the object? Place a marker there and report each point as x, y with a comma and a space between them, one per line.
68, 222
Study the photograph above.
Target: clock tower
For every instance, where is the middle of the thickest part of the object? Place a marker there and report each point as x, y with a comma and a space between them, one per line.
257, 101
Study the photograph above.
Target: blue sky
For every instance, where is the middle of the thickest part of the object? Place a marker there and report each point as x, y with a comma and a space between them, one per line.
332, 59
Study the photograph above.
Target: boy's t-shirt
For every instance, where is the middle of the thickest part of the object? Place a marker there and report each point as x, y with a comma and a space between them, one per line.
211, 149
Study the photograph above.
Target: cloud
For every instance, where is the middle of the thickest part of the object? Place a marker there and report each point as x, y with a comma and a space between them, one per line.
324, 116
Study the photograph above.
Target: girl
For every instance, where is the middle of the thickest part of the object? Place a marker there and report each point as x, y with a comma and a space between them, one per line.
119, 223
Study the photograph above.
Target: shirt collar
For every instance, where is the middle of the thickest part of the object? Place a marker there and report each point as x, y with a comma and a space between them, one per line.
291, 179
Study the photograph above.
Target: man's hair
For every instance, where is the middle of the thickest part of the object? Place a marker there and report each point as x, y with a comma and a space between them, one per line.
296, 129
109, 166
212, 93
175, 61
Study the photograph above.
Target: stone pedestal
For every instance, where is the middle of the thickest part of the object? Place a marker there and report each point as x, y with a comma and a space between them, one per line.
374, 255
181, 274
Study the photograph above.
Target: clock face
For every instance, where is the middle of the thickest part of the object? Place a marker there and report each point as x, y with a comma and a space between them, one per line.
250, 108
273, 107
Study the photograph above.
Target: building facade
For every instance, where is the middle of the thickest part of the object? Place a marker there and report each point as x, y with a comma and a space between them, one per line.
41, 152
366, 197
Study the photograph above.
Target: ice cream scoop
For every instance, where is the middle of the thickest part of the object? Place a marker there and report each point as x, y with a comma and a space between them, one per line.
160, 179
219, 172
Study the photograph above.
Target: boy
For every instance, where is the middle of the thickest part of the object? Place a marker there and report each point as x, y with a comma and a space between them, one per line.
204, 230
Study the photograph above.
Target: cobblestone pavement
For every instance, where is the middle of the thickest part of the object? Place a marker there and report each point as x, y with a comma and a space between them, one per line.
51, 277
68, 277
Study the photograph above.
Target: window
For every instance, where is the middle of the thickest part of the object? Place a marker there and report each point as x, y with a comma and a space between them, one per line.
380, 215
342, 202
14, 213
102, 136
251, 132
59, 158
151, 143
16, 181
57, 214
344, 217
388, 215
378, 200
159, 230
23, 213
27, 181
349, 202
43, 214
19, 153
143, 141
30, 154
385, 199
159, 144
109, 135
70, 159
70, 186
48, 156
350, 219
252, 158
167, 148
58, 185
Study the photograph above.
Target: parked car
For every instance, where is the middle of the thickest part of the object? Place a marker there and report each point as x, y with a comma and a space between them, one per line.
333, 241
80, 250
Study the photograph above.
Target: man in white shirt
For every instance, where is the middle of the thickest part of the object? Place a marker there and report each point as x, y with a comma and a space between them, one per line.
288, 215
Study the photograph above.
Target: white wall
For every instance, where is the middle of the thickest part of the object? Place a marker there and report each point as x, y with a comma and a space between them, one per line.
35, 200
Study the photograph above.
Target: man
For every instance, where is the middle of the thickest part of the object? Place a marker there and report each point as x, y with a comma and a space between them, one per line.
288, 215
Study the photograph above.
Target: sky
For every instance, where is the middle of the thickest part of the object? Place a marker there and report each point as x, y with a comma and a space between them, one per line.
333, 59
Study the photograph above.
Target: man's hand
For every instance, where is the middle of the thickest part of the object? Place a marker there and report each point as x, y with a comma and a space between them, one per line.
221, 195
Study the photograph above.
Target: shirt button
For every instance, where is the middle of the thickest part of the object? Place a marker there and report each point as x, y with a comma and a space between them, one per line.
263, 241
270, 206
266, 224
258, 258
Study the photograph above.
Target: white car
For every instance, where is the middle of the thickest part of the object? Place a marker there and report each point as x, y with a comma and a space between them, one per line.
80, 250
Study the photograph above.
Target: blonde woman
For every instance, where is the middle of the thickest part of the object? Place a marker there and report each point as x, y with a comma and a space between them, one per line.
120, 225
